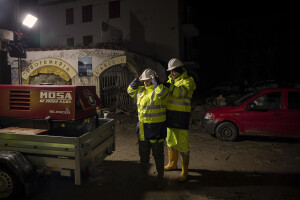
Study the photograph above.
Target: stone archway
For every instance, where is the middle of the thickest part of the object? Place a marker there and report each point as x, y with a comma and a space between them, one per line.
52, 66
115, 61
113, 77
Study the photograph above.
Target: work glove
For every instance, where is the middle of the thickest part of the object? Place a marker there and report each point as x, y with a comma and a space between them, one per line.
167, 84
155, 81
135, 83
172, 80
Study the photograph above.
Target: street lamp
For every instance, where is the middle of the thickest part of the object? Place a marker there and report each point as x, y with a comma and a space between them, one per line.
28, 21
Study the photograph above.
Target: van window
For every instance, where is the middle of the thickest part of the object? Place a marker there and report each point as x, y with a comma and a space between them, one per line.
294, 100
245, 98
271, 101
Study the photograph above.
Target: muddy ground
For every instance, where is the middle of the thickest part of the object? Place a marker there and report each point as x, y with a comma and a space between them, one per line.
252, 168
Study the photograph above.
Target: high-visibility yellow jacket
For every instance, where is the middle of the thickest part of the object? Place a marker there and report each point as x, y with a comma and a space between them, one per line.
179, 101
151, 105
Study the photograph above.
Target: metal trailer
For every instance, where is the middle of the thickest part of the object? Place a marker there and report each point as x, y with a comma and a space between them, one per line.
22, 156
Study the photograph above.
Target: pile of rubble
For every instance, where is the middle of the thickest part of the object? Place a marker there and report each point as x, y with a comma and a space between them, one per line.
199, 105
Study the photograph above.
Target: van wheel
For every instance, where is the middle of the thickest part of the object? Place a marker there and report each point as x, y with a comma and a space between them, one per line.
226, 131
10, 186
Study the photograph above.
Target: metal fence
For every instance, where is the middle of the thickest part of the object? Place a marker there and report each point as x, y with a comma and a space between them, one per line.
113, 87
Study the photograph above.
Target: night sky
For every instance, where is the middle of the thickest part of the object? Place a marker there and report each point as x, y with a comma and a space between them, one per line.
251, 47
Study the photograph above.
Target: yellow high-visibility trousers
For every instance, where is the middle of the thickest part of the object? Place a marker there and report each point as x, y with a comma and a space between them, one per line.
178, 139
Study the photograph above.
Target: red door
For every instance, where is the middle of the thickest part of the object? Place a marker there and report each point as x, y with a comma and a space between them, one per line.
266, 117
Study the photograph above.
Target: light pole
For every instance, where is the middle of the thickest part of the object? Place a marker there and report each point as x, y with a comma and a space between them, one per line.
28, 21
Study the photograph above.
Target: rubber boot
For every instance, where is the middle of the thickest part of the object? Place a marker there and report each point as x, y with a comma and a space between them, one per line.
184, 172
173, 158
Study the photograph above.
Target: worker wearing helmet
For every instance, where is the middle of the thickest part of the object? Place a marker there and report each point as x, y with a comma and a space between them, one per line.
181, 88
151, 128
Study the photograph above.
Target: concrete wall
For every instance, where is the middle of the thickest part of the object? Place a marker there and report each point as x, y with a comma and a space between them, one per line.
149, 27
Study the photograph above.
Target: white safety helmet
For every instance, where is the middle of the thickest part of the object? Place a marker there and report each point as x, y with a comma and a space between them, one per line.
146, 75
174, 63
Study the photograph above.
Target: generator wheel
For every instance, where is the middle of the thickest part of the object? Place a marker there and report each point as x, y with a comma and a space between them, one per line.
10, 186
227, 131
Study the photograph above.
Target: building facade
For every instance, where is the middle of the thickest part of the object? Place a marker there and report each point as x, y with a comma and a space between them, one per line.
148, 27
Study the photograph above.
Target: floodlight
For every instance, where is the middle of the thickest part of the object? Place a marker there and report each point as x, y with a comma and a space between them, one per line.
29, 20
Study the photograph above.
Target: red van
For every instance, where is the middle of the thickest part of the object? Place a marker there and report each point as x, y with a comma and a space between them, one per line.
268, 112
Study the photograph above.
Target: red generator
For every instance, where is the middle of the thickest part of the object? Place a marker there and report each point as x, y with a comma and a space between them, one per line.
62, 110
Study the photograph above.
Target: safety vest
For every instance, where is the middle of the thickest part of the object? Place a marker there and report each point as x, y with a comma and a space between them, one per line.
179, 101
151, 104
181, 95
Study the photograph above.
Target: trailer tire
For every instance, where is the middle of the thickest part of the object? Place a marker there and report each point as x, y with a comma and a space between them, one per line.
10, 185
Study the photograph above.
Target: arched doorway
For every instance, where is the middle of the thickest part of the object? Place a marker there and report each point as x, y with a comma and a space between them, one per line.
114, 76
113, 87
49, 74
49, 70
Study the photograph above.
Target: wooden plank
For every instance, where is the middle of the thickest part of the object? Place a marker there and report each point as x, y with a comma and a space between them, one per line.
24, 131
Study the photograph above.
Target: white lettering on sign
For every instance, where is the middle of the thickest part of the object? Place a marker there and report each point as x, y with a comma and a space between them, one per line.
64, 112
55, 96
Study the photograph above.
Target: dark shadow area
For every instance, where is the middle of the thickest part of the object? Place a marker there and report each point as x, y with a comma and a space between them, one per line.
123, 179
269, 139
112, 180
235, 178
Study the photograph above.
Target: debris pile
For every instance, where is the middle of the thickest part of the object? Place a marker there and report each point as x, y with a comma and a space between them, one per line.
199, 105
216, 101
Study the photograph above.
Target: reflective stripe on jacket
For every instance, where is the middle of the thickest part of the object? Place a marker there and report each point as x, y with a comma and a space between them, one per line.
151, 105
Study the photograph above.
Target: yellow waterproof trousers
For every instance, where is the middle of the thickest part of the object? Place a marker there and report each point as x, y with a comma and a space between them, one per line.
178, 139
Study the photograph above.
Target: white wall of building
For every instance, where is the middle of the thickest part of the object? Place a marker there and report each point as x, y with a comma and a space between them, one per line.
149, 27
